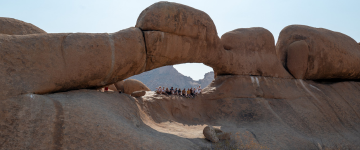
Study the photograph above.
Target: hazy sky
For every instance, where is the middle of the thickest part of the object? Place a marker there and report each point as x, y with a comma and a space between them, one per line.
113, 15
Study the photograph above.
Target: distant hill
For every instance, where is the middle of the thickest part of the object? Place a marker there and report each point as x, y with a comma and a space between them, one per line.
169, 77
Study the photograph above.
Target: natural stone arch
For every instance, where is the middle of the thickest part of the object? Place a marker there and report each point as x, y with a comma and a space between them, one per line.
165, 34
176, 33
66, 61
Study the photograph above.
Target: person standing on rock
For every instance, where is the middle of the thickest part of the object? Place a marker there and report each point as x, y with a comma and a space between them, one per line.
159, 90
184, 92
179, 92
167, 91
191, 92
188, 93
163, 90
172, 91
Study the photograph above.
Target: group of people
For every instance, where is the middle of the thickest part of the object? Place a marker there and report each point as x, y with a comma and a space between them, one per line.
190, 92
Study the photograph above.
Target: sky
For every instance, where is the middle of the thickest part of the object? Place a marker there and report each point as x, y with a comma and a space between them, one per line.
90, 16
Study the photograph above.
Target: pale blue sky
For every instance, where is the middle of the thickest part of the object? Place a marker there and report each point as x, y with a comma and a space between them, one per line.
113, 15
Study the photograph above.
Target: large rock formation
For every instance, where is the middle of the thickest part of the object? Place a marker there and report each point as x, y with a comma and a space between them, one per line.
43, 63
278, 113
12, 26
176, 33
326, 54
131, 85
251, 52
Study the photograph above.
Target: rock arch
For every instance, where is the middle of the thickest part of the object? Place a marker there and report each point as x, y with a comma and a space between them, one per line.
165, 34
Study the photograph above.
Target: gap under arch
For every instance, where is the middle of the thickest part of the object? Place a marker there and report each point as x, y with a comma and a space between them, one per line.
176, 76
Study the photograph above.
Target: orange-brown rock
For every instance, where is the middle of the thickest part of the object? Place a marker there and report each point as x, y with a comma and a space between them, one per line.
12, 26
132, 85
256, 109
250, 51
168, 49
178, 19
176, 34
120, 85
43, 63
277, 113
331, 54
82, 119
173, 36
297, 58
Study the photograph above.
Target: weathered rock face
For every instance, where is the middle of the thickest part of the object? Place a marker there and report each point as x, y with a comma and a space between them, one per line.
297, 58
176, 33
178, 38
299, 113
84, 119
330, 54
251, 51
43, 63
278, 113
178, 19
132, 85
12, 26
120, 85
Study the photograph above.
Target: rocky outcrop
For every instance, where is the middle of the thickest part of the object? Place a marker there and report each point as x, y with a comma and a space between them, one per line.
272, 112
326, 54
251, 51
12, 26
189, 35
180, 20
43, 63
80, 119
279, 113
255, 109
